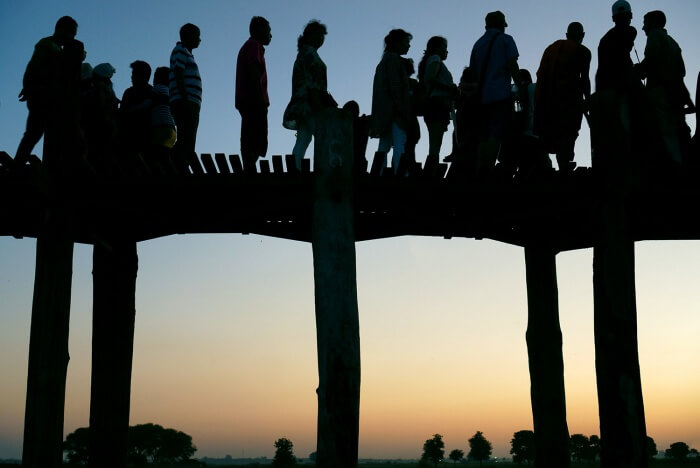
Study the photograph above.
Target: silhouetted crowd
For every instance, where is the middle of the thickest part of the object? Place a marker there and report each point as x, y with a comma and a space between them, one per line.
504, 124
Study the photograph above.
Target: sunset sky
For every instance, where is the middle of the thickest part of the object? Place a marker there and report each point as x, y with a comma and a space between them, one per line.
225, 345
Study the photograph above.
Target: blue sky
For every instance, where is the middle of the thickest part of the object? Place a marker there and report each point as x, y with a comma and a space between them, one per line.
225, 339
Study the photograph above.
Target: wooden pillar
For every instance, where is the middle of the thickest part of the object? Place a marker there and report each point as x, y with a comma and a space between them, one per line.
48, 349
337, 323
544, 349
114, 288
620, 402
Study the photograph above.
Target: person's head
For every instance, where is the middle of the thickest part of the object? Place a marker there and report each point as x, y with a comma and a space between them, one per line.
622, 13
575, 32
525, 76
654, 20
190, 36
437, 45
314, 35
496, 19
103, 71
161, 76
353, 107
65, 30
140, 72
398, 41
260, 30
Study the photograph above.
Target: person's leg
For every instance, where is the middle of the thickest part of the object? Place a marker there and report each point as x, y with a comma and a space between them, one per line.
398, 135
304, 135
36, 125
435, 134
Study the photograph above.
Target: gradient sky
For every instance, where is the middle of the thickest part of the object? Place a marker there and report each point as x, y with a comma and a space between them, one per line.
225, 345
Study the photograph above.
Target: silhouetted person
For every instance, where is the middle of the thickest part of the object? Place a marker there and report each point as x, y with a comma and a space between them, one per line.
494, 57
667, 95
391, 101
252, 99
441, 91
185, 90
162, 123
100, 121
135, 109
41, 85
465, 137
360, 133
408, 159
562, 91
615, 67
309, 88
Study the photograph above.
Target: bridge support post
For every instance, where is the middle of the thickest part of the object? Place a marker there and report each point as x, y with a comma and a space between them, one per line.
544, 349
114, 288
48, 343
620, 402
337, 322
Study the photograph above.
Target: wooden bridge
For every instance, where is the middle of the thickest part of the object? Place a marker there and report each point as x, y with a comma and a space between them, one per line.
334, 206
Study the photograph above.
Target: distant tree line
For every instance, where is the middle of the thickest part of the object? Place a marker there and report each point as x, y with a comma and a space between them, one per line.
147, 443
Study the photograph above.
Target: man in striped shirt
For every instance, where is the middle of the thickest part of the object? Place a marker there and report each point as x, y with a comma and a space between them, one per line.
185, 89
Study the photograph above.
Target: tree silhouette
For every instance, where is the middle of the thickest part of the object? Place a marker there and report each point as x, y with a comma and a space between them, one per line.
522, 447
146, 443
456, 455
594, 444
581, 448
76, 444
651, 448
479, 447
284, 453
433, 450
678, 451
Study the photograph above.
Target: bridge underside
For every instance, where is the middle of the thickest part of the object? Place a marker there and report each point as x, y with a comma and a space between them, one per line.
559, 211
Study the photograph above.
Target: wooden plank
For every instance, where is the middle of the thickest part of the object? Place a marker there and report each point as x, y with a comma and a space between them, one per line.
222, 164
291, 163
194, 164
378, 163
441, 170
264, 166
277, 164
6, 160
236, 164
208, 163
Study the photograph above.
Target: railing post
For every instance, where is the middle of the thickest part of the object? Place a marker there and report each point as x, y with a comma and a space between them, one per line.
337, 323
544, 349
620, 402
114, 272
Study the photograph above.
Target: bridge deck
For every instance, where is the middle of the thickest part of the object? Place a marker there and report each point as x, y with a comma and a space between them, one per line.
216, 196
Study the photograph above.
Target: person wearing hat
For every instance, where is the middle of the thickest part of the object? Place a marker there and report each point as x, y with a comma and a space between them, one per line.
563, 87
494, 58
615, 67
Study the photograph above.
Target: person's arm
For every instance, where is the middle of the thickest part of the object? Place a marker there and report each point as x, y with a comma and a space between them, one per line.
255, 82
180, 82
585, 72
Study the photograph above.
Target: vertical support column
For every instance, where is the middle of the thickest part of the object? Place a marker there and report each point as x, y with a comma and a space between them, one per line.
114, 290
544, 349
620, 402
337, 323
48, 345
